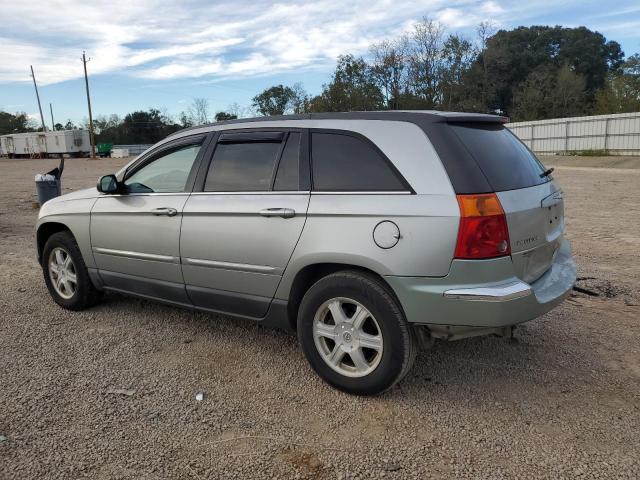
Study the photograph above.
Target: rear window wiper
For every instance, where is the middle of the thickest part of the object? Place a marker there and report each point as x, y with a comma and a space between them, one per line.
546, 173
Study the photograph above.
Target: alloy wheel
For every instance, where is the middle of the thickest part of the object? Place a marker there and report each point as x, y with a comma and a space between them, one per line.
348, 337
62, 273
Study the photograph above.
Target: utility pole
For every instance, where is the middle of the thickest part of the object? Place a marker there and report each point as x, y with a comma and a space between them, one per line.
53, 125
86, 82
35, 85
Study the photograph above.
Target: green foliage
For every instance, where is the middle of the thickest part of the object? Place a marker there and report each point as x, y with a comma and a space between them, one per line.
139, 127
550, 93
526, 58
10, 123
588, 153
352, 88
222, 116
273, 101
530, 73
621, 93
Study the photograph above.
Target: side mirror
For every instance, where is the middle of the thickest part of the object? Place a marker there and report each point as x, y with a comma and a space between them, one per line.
108, 184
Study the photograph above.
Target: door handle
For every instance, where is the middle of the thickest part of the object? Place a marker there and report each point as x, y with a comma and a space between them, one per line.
169, 212
278, 212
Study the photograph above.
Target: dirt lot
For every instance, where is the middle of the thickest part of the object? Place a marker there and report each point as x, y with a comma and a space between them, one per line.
563, 401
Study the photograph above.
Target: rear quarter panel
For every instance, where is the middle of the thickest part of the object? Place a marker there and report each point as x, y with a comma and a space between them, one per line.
339, 229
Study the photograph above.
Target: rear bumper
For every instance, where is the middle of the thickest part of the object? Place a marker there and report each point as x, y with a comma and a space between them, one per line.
485, 293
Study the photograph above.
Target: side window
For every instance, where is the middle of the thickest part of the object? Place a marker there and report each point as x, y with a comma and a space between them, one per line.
166, 174
346, 163
242, 166
288, 176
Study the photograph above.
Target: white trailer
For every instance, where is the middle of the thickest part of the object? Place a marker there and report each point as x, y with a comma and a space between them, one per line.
43, 144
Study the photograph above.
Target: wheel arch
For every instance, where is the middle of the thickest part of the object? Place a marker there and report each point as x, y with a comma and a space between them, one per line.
44, 232
310, 274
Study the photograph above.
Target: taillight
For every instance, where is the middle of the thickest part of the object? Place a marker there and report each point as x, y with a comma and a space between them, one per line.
483, 229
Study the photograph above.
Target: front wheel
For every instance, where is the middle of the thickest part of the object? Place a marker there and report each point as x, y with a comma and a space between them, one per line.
354, 334
65, 273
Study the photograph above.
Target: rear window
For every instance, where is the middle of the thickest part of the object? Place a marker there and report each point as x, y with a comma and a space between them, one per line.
346, 163
506, 162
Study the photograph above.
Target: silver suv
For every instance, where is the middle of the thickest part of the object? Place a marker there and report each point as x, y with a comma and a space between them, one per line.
367, 233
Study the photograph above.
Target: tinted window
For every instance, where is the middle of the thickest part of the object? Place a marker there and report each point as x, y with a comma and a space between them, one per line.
166, 174
287, 177
242, 167
346, 163
504, 160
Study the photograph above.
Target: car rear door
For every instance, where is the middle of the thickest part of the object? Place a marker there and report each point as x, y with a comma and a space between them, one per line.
532, 202
135, 235
239, 230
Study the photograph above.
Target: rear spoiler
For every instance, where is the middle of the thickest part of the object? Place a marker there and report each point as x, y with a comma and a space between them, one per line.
473, 118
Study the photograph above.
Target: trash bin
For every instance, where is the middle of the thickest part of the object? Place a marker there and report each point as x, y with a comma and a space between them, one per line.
48, 185
104, 149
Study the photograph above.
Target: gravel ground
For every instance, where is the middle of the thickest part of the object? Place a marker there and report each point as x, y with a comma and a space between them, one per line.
111, 392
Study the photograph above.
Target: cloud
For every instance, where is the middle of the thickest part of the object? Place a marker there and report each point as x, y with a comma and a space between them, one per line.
164, 40
172, 40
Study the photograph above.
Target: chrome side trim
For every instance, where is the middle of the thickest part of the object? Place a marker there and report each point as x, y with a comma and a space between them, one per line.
241, 267
371, 192
148, 194
499, 293
266, 192
137, 255
305, 192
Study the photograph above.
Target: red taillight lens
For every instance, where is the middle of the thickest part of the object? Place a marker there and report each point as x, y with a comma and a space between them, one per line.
483, 229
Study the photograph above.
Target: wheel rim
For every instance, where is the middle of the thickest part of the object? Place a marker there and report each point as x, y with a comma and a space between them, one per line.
62, 273
347, 337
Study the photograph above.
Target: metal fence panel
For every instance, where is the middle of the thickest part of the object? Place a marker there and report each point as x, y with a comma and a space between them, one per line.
617, 134
134, 150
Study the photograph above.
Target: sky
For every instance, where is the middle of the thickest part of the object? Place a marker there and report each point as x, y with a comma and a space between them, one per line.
163, 54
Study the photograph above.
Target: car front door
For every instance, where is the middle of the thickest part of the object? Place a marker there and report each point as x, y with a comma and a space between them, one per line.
244, 219
135, 235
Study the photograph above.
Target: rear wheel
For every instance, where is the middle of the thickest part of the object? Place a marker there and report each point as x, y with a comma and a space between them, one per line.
354, 333
65, 273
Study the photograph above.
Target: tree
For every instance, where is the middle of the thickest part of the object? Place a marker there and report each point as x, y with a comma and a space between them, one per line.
300, 100
15, 123
222, 116
484, 31
185, 120
389, 69
70, 125
135, 128
274, 100
511, 56
58, 127
352, 87
458, 55
531, 96
198, 112
621, 93
567, 95
425, 65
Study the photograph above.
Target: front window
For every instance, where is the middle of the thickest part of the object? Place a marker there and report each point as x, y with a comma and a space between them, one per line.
166, 174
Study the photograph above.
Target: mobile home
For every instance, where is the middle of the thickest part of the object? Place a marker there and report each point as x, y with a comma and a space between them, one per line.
43, 144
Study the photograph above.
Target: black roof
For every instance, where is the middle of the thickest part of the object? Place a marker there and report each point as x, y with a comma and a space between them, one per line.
411, 116
463, 170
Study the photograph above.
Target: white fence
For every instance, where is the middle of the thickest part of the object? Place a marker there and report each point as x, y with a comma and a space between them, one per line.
617, 134
133, 149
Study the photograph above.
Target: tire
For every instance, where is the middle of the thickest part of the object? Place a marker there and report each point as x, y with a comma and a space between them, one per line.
70, 295
354, 295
